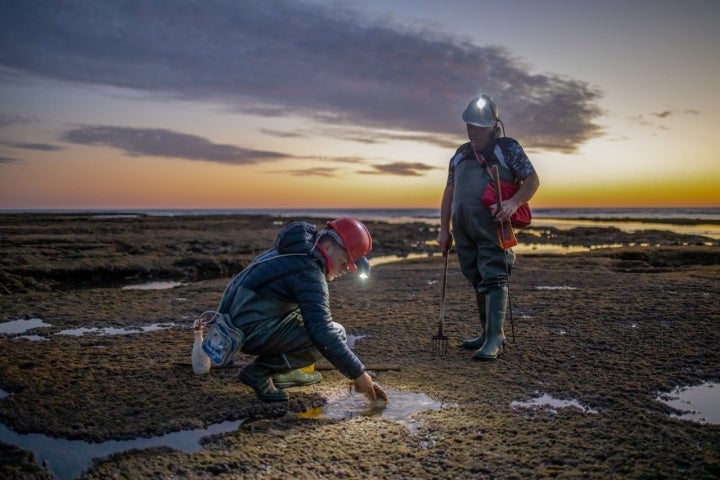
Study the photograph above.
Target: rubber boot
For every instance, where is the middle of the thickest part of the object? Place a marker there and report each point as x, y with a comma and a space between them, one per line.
259, 378
496, 301
295, 378
477, 342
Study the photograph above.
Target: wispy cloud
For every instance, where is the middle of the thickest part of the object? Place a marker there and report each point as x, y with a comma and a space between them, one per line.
4, 160
282, 133
405, 169
311, 172
668, 114
278, 57
43, 147
166, 143
7, 120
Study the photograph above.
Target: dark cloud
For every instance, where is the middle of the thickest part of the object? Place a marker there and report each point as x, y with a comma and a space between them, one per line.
281, 133
403, 169
642, 120
166, 143
353, 160
278, 57
375, 136
311, 172
43, 147
4, 160
670, 113
7, 120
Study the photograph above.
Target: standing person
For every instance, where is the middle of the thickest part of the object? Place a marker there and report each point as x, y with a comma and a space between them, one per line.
280, 304
482, 260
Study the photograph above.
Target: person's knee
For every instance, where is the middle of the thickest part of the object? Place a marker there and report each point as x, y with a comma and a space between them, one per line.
494, 283
340, 330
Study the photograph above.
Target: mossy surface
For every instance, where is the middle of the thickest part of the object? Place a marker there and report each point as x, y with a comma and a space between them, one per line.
610, 329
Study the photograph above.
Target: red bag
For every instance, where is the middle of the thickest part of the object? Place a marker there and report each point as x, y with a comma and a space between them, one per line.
522, 216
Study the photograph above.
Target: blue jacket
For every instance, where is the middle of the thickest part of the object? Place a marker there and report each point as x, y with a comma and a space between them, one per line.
294, 282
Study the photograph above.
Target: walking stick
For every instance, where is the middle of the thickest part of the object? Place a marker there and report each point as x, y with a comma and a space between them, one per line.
505, 233
440, 341
507, 239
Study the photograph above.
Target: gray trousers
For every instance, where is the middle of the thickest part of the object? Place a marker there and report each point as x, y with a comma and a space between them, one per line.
482, 261
282, 344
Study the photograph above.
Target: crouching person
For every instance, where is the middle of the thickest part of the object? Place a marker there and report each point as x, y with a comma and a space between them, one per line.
279, 305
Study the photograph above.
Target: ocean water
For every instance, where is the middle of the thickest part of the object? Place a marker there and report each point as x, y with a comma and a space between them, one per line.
688, 221
710, 214
692, 221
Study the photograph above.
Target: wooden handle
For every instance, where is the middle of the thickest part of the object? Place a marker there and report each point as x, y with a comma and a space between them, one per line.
496, 180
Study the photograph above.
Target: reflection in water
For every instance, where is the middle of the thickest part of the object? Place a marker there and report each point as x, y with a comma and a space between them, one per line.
68, 458
551, 403
706, 230
521, 248
399, 407
700, 403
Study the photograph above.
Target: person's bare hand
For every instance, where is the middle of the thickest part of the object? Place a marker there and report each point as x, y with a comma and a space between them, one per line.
364, 384
506, 212
444, 240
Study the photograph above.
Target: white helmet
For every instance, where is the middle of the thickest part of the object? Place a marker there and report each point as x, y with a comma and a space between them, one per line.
481, 112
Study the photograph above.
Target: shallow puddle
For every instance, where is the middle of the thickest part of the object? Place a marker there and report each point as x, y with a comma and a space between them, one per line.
400, 407
552, 404
352, 340
21, 326
17, 327
700, 403
108, 331
555, 287
68, 458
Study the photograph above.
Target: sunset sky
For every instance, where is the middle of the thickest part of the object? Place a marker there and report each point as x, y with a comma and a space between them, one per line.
352, 104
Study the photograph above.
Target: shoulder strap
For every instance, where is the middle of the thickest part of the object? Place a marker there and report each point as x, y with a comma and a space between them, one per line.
499, 155
486, 165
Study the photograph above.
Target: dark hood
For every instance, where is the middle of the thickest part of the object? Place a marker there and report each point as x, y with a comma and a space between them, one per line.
296, 237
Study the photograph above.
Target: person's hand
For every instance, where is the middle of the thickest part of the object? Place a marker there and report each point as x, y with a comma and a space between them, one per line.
364, 384
444, 239
508, 210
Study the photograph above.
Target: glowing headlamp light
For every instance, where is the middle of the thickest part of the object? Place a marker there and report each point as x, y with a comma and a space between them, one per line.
363, 267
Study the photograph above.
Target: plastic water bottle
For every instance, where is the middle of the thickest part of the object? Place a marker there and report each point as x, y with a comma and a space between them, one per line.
200, 360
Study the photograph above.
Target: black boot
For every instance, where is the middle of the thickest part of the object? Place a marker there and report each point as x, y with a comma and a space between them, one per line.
259, 378
496, 301
477, 342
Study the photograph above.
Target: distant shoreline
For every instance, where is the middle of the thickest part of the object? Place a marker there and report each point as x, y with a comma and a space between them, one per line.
667, 216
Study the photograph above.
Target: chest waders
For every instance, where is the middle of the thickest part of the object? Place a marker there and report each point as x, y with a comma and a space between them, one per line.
486, 266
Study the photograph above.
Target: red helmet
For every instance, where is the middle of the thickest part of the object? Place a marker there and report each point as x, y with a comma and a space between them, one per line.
355, 237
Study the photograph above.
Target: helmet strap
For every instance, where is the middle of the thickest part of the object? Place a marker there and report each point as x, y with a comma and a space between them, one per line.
323, 252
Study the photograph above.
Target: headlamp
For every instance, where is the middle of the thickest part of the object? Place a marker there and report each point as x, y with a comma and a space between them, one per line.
363, 267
